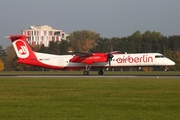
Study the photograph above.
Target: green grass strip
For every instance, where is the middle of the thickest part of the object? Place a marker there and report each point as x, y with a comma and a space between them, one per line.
89, 99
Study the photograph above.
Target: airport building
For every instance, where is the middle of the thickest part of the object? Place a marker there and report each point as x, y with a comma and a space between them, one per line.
38, 35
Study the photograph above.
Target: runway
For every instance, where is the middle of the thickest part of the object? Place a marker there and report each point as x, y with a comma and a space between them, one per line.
98, 76
85, 76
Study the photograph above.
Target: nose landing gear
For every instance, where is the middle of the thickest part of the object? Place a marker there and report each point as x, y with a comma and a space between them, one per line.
166, 68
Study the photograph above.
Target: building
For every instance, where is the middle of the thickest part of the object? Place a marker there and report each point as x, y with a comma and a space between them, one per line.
38, 35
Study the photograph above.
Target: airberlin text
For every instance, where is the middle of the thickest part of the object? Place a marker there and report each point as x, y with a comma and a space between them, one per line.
90, 58
130, 59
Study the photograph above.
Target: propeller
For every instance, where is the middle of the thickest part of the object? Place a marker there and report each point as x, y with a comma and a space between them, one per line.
109, 58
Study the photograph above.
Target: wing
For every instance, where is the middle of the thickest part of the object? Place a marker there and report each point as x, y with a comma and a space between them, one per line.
82, 54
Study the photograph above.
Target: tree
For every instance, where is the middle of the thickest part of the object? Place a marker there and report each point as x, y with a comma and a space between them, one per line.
10, 58
83, 40
137, 39
54, 47
64, 47
35, 47
130, 45
2, 51
43, 49
122, 44
1, 65
156, 38
177, 53
102, 45
172, 55
118, 44
151, 41
174, 42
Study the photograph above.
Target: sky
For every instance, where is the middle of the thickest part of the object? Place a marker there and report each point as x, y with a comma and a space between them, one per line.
109, 18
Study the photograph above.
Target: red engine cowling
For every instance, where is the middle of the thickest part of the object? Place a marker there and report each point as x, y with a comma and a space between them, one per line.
90, 59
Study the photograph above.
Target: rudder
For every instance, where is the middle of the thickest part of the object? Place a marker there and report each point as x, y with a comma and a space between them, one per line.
22, 48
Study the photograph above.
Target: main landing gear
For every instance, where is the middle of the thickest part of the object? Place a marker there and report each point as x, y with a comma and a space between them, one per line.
86, 72
101, 72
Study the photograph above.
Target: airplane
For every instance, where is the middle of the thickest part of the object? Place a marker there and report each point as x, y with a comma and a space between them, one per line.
84, 60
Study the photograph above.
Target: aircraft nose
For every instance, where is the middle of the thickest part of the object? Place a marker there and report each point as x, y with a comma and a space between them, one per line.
171, 62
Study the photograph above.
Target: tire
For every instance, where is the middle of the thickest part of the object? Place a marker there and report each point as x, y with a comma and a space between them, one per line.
100, 72
86, 73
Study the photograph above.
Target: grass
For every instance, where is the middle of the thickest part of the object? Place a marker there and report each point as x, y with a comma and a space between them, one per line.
89, 99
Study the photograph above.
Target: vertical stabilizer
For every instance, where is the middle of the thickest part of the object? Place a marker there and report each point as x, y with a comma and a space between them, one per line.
23, 50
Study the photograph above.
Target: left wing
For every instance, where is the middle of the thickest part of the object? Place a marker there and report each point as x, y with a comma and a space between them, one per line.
83, 54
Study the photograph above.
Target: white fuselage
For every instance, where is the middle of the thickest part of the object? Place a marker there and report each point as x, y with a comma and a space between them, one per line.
119, 60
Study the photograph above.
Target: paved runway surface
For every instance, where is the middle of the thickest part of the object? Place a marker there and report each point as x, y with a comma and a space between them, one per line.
101, 76
84, 76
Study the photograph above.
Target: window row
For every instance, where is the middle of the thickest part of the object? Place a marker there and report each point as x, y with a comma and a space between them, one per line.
44, 38
44, 33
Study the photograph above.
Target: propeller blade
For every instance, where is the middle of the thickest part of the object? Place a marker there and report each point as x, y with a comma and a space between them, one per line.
109, 59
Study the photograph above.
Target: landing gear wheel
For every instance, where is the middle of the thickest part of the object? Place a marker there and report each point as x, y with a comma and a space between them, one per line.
166, 69
86, 72
100, 72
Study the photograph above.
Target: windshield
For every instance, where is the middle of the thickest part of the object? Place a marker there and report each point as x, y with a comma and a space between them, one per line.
159, 56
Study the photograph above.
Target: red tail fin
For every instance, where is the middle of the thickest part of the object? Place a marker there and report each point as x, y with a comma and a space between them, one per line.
22, 49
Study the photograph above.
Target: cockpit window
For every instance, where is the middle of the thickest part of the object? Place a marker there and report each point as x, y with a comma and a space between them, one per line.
159, 56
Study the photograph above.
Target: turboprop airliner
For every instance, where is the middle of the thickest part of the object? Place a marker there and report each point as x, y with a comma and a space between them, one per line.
83, 60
